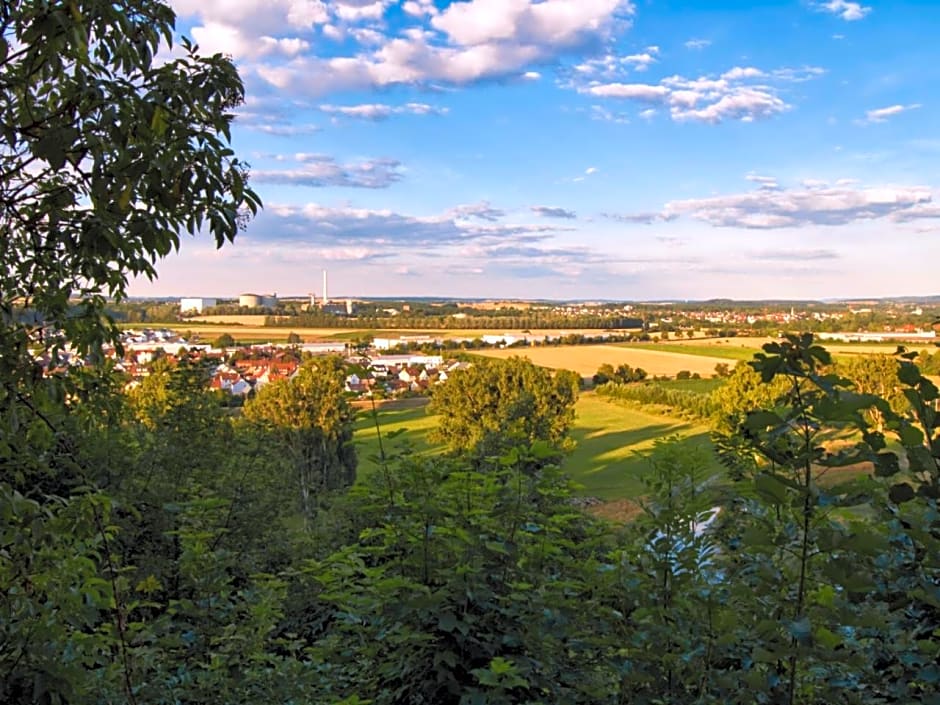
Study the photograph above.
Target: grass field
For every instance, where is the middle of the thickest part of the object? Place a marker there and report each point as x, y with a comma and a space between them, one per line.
585, 359
609, 460
726, 352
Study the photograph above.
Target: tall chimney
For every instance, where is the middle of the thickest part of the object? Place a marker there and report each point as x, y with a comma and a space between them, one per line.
326, 298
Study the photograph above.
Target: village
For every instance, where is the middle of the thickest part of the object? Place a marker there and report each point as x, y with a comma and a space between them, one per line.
241, 370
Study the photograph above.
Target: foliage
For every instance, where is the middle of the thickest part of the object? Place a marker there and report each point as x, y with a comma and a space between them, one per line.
463, 587
107, 156
696, 404
310, 417
224, 341
496, 405
623, 374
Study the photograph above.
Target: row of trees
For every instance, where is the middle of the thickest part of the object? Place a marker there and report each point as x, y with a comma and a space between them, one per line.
316, 319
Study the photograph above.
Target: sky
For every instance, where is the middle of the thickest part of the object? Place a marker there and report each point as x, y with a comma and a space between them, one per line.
577, 149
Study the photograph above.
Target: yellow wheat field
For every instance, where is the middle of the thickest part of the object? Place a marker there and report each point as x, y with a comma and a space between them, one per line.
585, 359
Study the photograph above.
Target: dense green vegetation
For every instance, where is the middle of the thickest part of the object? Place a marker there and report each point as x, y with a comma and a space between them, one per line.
612, 443
156, 549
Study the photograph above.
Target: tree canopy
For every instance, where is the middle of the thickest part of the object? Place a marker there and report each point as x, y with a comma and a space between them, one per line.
108, 154
495, 405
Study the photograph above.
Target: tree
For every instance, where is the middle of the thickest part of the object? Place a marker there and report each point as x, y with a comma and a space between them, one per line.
107, 157
876, 374
224, 341
498, 404
605, 373
310, 416
294, 339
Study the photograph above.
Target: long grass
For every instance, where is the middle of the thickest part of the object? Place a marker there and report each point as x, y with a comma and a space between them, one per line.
609, 461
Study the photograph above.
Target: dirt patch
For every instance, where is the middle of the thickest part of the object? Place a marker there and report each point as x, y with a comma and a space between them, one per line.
619, 511
391, 404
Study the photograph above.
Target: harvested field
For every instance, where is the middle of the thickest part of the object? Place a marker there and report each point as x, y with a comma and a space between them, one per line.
585, 359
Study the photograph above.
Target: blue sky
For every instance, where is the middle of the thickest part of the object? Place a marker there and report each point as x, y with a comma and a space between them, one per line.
578, 148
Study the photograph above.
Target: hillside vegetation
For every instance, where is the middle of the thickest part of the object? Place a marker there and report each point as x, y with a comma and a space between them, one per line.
157, 549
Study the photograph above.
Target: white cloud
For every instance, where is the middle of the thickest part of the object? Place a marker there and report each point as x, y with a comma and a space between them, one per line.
557, 23
554, 212
420, 8
381, 111
765, 182
815, 202
318, 170
386, 231
882, 114
476, 40
642, 61
482, 211
698, 43
733, 96
634, 91
742, 72
849, 11
741, 93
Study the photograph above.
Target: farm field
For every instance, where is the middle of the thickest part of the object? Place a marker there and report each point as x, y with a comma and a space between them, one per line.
585, 359
743, 347
252, 329
608, 461
729, 351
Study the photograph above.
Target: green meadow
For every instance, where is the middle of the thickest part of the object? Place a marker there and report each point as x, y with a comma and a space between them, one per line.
608, 462
728, 352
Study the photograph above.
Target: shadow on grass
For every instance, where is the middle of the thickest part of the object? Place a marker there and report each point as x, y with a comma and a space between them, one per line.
602, 438
615, 469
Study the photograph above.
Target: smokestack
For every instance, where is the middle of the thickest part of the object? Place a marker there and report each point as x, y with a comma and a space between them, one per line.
326, 298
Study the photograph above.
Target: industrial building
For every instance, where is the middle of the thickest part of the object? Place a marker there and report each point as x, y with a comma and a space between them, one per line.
257, 300
196, 304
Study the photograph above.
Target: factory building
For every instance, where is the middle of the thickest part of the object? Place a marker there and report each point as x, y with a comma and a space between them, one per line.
196, 304
257, 301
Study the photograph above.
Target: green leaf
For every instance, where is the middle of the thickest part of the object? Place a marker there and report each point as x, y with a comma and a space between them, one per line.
908, 373
901, 492
827, 638
886, 465
771, 488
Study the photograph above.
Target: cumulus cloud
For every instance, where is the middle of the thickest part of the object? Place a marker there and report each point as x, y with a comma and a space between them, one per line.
742, 93
554, 212
466, 42
381, 111
765, 182
849, 11
220, 38
420, 8
882, 114
482, 211
320, 170
819, 203
446, 236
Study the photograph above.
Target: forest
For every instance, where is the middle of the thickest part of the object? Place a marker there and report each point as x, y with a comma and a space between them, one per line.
155, 548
